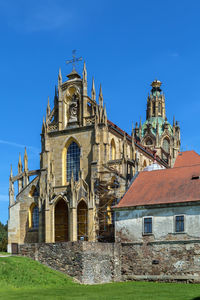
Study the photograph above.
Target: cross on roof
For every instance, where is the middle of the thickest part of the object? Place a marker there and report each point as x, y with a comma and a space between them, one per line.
74, 59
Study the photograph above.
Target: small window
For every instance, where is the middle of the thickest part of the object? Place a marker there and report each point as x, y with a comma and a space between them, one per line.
147, 225
179, 224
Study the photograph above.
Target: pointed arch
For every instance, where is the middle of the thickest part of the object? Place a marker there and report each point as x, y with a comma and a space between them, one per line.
112, 150
149, 141
166, 144
82, 220
33, 216
61, 221
71, 160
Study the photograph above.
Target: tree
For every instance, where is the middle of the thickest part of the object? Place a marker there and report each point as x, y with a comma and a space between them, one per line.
3, 237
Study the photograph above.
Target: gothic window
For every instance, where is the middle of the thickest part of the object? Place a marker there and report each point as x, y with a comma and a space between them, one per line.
34, 216
112, 150
166, 145
73, 161
82, 221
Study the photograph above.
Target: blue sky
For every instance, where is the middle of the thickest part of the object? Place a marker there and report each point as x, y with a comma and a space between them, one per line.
126, 45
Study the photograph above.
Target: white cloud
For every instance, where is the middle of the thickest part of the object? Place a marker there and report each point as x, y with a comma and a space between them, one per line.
13, 144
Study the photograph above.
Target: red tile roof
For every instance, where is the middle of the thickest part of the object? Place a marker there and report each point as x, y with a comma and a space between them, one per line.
163, 186
187, 158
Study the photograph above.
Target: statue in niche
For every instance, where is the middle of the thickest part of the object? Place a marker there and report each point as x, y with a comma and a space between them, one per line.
73, 109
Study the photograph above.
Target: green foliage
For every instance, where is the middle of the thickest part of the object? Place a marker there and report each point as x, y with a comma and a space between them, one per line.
23, 278
3, 237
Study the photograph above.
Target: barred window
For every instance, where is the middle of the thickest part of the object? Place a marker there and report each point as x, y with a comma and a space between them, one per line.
147, 225
35, 217
73, 161
179, 226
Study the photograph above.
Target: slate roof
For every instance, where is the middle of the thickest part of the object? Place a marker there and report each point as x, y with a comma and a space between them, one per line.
177, 185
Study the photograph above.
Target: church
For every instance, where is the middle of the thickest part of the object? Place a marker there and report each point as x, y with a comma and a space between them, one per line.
86, 165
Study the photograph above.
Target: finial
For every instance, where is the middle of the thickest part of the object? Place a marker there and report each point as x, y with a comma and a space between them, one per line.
140, 122
136, 125
84, 72
25, 160
174, 121
48, 108
59, 77
11, 172
93, 92
105, 114
20, 164
132, 131
100, 96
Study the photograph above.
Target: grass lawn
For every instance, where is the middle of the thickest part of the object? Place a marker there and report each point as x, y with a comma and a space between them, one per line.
22, 278
4, 253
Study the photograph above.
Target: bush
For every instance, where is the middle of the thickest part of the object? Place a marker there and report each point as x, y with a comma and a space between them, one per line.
3, 237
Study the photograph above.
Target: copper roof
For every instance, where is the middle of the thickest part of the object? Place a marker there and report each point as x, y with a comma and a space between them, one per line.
164, 187
187, 158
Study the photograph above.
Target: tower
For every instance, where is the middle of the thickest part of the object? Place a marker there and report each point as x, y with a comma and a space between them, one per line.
156, 132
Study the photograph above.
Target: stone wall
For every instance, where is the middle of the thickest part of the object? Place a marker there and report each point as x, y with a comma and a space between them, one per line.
88, 262
161, 260
105, 262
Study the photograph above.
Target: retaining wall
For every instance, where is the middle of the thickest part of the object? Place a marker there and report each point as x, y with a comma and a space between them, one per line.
105, 262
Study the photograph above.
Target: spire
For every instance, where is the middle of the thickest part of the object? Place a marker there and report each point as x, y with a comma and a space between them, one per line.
11, 188
55, 97
84, 80
11, 172
20, 164
93, 90
84, 72
43, 126
174, 121
105, 114
25, 161
100, 96
132, 131
59, 77
48, 111
140, 129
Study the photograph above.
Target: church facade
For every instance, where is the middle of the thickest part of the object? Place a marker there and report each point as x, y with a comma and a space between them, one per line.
86, 165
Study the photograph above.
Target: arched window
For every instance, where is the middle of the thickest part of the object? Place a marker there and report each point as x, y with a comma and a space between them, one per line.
73, 161
34, 216
166, 145
112, 150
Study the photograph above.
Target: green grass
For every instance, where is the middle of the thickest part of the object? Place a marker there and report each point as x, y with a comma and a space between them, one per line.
4, 253
22, 278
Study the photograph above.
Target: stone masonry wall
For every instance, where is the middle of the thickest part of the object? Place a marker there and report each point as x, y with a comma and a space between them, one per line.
105, 262
88, 262
161, 260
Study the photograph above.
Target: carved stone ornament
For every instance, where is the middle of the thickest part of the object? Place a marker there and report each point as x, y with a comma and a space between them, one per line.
73, 109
